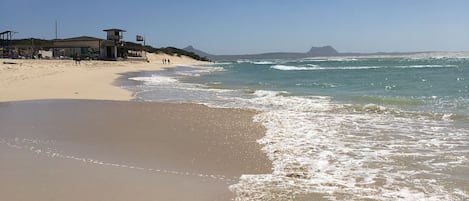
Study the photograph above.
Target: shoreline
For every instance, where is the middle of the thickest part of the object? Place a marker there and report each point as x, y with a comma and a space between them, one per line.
85, 134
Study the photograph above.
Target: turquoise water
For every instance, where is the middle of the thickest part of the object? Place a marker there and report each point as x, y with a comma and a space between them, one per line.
341, 128
425, 84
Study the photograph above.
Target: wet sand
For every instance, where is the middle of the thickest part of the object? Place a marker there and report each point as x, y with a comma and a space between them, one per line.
124, 150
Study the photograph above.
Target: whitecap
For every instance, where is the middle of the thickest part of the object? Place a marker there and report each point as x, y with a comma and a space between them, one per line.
263, 62
292, 68
425, 66
265, 93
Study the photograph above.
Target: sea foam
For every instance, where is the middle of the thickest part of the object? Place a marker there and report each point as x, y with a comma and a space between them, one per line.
320, 147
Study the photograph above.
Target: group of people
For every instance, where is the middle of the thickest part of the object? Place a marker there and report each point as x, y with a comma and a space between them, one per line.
166, 61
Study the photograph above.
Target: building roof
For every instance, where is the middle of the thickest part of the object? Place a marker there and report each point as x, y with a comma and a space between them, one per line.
78, 42
119, 30
7, 32
80, 38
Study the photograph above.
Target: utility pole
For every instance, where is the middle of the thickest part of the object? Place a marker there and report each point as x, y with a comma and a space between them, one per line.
55, 29
144, 39
54, 51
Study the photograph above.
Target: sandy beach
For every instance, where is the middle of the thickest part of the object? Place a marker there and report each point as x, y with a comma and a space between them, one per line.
64, 79
68, 133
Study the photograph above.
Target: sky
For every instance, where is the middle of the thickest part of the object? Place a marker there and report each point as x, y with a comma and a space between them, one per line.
252, 26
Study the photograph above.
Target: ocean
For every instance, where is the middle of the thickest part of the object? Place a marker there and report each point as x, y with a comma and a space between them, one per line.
342, 128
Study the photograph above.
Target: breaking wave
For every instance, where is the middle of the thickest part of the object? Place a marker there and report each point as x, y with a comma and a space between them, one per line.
321, 147
316, 67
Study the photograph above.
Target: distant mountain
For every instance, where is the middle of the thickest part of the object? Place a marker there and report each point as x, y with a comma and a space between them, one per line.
198, 52
322, 51
313, 52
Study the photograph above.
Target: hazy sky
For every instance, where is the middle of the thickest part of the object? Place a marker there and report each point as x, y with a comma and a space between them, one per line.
252, 26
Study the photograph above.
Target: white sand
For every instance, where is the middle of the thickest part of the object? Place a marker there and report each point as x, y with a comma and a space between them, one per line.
63, 79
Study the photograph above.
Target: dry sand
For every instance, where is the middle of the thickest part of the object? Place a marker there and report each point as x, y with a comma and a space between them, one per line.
63, 79
124, 150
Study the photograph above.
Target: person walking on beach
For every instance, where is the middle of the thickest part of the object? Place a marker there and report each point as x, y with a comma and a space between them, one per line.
169, 61
77, 59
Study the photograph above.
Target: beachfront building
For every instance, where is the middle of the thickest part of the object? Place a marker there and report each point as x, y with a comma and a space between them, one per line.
84, 46
112, 47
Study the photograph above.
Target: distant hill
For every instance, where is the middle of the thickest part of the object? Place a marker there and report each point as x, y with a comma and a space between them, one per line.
197, 52
322, 51
313, 52
325, 51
